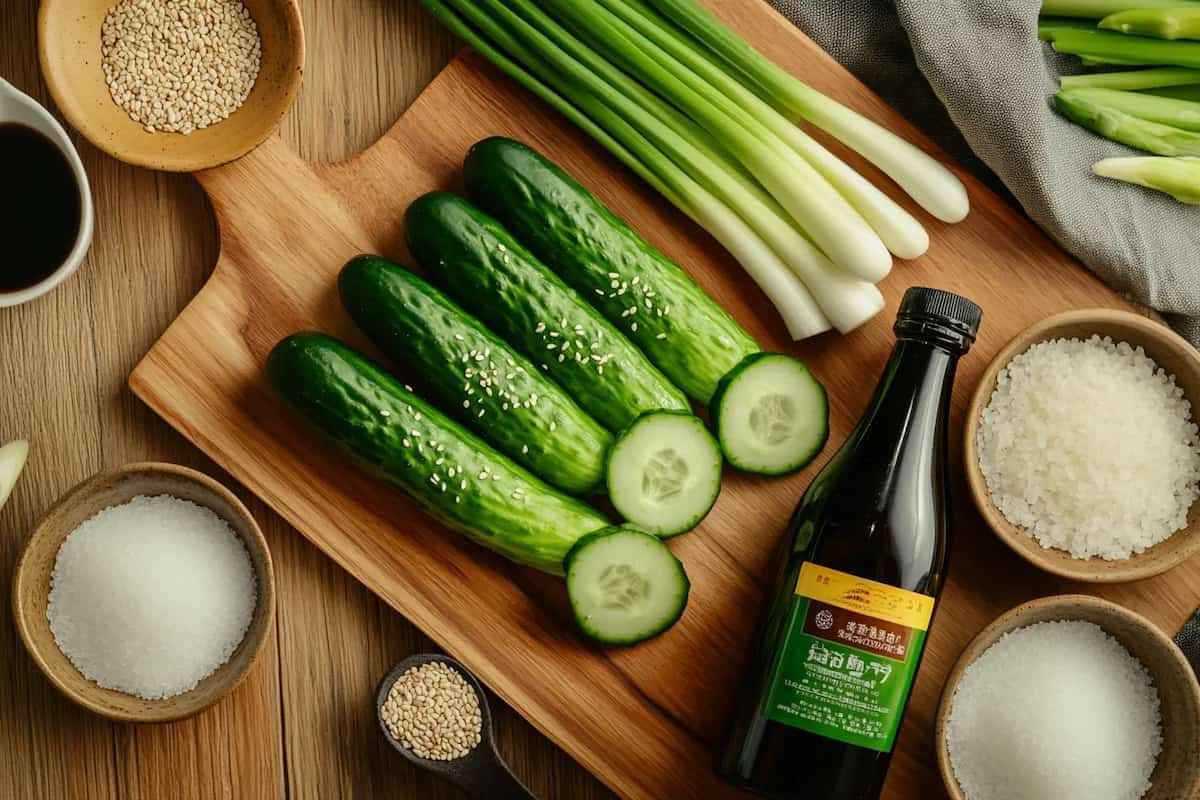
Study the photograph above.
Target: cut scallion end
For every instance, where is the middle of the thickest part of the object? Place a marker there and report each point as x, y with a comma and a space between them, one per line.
12, 461
1178, 177
1159, 23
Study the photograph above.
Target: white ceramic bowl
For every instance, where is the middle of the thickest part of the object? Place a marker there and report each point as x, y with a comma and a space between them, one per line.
16, 106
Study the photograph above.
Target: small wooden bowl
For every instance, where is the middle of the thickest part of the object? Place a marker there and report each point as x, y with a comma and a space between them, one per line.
1173, 354
31, 588
1177, 773
70, 53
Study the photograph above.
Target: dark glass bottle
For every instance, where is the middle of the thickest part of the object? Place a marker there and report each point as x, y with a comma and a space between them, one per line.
865, 558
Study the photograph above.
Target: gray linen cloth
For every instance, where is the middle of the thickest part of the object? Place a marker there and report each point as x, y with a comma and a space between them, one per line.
973, 75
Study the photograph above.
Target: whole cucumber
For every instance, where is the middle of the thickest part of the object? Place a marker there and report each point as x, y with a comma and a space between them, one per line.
450, 472
651, 300
472, 374
478, 263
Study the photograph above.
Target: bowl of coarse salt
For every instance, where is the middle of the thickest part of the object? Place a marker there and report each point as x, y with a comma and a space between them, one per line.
1082, 450
173, 85
146, 593
1070, 698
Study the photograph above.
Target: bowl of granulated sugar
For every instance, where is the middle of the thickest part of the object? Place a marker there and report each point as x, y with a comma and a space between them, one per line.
1070, 698
146, 593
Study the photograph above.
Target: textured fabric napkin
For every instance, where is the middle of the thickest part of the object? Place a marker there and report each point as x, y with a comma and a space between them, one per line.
973, 75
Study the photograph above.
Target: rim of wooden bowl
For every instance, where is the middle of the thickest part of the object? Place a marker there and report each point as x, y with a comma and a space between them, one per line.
70, 57
1172, 353
1176, 683
31, 587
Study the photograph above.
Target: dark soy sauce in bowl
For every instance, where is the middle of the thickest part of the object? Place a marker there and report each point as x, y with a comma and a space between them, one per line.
39, 207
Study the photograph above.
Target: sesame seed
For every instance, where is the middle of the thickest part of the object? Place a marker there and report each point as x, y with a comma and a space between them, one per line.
460, 337
541, 326
182, 71
600, 292
383, 412
635, 280
553, 425
407, 388
613, 275
462, 484
482, 411
524, 448
633, 327
458, 499
553, 334
406, 442
662, 335
439, 462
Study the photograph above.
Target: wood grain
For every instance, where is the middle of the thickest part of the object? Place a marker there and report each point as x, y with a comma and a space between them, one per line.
302, 724
645, 719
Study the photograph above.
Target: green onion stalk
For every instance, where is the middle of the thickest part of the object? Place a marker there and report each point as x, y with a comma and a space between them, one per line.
1111, 123
1163, 110
1159, 23
1134, 80
1178, 177
1108, 47
1098, 9
930, 183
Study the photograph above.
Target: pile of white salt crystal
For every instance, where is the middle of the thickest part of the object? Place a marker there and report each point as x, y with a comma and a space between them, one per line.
151, 596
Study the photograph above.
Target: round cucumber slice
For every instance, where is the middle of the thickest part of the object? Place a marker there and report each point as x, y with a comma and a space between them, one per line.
624, 585
771, 415
664, 472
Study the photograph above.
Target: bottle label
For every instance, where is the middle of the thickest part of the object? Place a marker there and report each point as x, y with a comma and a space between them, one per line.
849, 655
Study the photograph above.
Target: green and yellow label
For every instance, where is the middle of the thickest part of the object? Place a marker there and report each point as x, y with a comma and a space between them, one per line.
850, 652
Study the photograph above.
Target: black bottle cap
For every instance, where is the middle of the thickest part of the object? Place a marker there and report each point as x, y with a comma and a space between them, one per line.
940, 308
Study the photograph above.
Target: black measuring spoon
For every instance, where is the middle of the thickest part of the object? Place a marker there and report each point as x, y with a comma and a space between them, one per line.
482, 772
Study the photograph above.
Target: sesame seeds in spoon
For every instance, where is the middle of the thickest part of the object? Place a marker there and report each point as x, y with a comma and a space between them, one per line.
433, 711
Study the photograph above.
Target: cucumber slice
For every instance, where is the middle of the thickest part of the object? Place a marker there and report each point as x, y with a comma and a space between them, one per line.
12, 461
664, 472
624, 585
771, 415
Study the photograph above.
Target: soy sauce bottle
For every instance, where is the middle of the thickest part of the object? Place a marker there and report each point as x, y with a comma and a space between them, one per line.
842, 636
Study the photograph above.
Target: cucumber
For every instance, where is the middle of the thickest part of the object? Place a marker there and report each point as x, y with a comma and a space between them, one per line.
625, 586
464, 368
771, 415
664, 472
651, 300
454, 475
477, 262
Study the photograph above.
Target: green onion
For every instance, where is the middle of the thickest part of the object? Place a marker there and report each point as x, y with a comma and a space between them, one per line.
1163, 110
1133, 79
845, 301
924, 178
1111, 123
1110, 47
900, 232
1050, 27
814, 205
1160, 23
1178, 177
1191, 93
780, 284
1096, 9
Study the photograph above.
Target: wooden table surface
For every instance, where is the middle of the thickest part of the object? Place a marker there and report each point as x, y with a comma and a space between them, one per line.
302, 725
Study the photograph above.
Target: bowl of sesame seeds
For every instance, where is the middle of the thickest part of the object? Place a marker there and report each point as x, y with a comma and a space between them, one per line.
172, 85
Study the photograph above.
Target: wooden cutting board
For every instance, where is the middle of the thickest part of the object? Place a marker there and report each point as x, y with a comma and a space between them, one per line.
645, 720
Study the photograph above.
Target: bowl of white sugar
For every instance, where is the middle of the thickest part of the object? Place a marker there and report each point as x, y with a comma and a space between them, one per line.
1082, 450
146, 593
1070, 698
